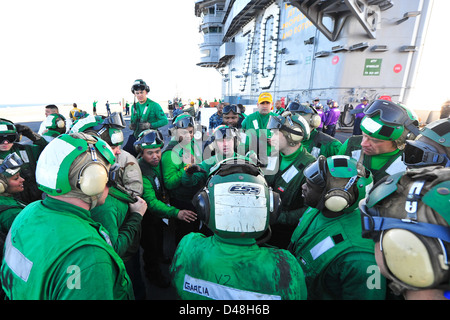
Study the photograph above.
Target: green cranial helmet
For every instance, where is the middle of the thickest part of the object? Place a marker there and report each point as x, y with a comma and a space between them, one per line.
149, 139
431, 147
183, 121
307, 112
8, 168
56, 122
389, 121
345, 182
8, 131
7, 127
75, 165
438, 131
293, 126
407, 213
89, 123
236, 203
108, 128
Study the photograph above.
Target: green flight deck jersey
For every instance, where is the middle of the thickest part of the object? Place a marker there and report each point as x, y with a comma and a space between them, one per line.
150, 112
206, 268
55, 251
338, 263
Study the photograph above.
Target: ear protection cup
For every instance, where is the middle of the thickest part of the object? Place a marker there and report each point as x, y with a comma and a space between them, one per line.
337, 200
93, 178
315, 121
3, 186
295, 137
201, 204
60, 123
414, 260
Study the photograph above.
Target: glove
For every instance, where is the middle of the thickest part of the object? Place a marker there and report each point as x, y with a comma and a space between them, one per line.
191, 169
144, 125
27, 132
132, 126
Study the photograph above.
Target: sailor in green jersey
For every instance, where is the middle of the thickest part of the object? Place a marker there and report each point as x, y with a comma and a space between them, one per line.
338, 263
148, 146
10, 183
145, 114
285, 173
123, 225
55, 124
318, 143
386, 126
408, 219
225, 142
10, 135
237, 205
277, 108
175, 157
255, 127
54, 250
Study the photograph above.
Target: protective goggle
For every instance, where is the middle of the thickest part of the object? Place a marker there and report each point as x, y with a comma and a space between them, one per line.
113, 175
315, 173
152, 138
283, 123
138, 87
11, 161
8, 137
115, 120
373, 225
418, 154
297, 107
184, 123
390, 113
224, 133
231, 107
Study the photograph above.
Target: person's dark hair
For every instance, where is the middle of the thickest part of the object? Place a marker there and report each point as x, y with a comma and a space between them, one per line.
52, 106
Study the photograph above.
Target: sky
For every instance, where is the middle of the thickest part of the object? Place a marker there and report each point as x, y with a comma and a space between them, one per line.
59, 51
65, 51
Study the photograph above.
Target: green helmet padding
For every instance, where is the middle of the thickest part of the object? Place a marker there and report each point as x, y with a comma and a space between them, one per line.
438, 131
386, 188
438, 199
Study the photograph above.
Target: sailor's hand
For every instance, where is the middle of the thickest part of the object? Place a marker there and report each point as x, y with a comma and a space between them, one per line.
144, 125
27, 132
193, 168
187, 215
140, 206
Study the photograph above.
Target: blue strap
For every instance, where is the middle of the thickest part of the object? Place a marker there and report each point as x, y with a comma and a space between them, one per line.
425, 229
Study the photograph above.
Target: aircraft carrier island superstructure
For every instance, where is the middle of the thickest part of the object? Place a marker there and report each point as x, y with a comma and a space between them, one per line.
299, 50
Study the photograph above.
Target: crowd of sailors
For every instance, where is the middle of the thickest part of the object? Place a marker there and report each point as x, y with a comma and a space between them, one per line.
266, 205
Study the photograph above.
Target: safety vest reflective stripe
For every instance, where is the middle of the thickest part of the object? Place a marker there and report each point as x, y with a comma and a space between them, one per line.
220, 292
320, 248
16, 261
